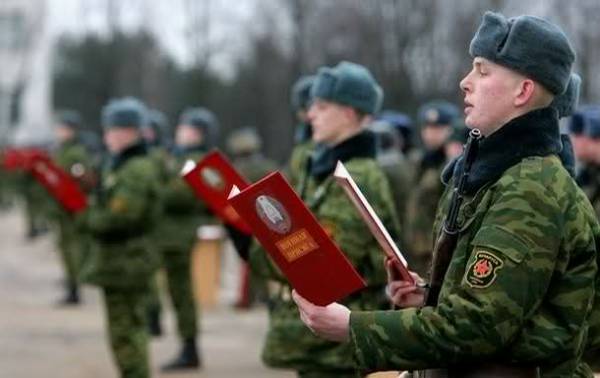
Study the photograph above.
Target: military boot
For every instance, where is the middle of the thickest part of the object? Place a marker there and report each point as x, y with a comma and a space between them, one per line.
71, 295
188, 358
154, 326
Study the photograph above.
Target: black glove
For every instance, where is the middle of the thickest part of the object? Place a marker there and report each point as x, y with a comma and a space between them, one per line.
241, 241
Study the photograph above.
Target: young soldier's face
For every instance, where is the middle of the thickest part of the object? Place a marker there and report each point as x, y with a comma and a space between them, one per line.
188, 135
117, 139
331, 122
489, 90
64, 133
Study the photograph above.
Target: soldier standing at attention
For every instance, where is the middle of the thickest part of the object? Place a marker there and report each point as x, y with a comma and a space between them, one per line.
183, 213
345, 98
73, 157
517, 298
436, 118
121, 261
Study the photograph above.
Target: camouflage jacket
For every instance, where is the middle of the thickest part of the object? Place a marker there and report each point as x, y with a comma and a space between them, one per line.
122, 213
520, 286
183, 212
74, 159
422, 203
254, 166
297, 164
289, 343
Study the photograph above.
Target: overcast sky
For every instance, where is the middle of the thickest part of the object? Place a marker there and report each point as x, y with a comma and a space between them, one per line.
231, 23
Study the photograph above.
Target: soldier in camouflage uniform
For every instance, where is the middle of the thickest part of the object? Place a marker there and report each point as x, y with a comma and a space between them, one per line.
123, 212
436, 119
303, 145
183, 213
518, 297
154, 133
245, 148
393, 162
345, 97
73, 157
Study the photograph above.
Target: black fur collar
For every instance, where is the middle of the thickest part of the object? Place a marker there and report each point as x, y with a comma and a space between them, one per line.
533, 134
324, 159
137, 149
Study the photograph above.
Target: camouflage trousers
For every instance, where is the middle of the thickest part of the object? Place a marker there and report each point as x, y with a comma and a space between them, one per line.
70, 249
179, 281
128, 336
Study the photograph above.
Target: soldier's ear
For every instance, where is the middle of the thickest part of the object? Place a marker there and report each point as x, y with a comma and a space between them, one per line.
524, 93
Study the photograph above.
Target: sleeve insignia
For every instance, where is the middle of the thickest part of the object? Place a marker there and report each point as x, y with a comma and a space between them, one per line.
484, 269
118, 205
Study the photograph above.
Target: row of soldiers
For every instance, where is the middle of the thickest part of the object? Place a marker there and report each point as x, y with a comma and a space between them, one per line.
142, 216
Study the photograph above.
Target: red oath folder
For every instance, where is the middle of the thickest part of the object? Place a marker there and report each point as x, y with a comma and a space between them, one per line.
59, 184
212, 179
21, 158
295, 240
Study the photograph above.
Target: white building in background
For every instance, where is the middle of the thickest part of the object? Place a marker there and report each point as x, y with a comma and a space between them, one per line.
25, 72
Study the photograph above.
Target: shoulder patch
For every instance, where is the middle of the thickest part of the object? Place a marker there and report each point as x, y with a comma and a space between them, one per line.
483, 270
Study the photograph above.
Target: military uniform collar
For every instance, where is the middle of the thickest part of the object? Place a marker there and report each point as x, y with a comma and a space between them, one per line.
137, 149
533, 134
324, 159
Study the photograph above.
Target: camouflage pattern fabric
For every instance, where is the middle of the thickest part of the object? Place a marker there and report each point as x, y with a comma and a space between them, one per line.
289, 343
120, 217
126, 319
74, 159
297, 164
182, 214
420, 216
519, 288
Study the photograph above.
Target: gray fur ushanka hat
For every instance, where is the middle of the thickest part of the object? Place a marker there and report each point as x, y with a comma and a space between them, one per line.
527, 44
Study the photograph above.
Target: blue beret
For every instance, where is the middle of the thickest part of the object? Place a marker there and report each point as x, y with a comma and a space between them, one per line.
349, 84
70, 118
300, 94
157, 120
200, 118
566, 102
397, 119
124, 112
438, 113
527, 44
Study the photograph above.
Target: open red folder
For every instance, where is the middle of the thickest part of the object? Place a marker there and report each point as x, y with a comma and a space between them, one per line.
212, 179
59, 184
381, 234
293, 237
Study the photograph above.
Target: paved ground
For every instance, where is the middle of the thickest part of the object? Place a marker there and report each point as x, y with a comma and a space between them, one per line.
39, 339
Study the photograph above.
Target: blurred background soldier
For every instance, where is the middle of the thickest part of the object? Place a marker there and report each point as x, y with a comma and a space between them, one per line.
303, 146
183, 213
245, 148
588, 152
155, 134
393, 162
404, 127
121, 261
453, 148
71, 155
436, 119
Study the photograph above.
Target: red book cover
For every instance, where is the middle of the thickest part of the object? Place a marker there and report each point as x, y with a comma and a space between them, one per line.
21, 158
293, 237
364, 208
59, 184
212, 179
